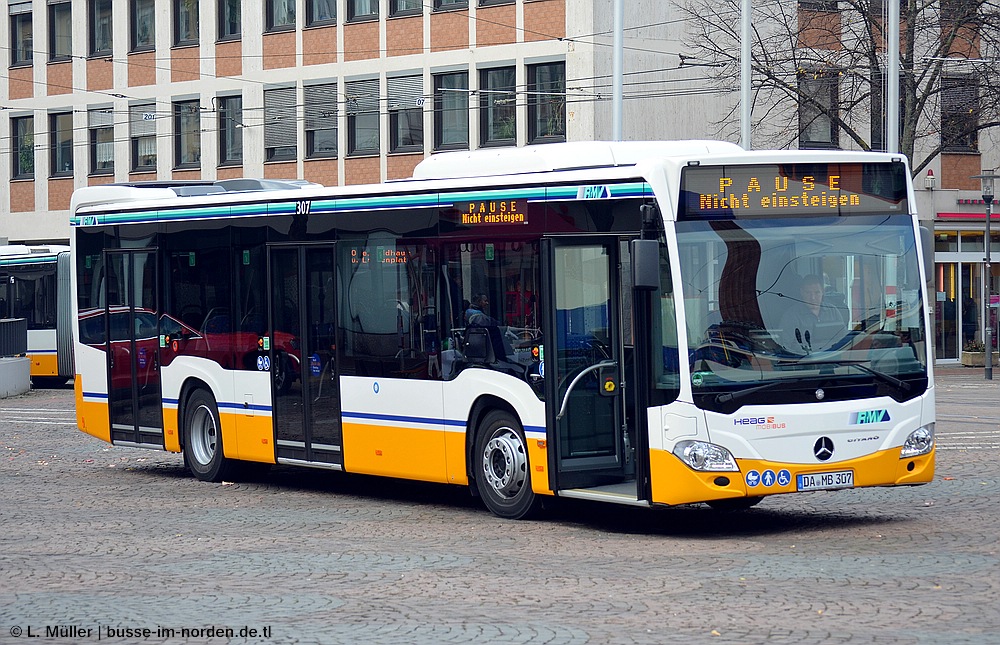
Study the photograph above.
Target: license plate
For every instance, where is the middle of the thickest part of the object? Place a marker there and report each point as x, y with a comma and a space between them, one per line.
825, 481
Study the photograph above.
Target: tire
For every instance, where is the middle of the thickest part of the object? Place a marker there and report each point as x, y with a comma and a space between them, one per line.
735, 503
282, 373
502, 472
203, 452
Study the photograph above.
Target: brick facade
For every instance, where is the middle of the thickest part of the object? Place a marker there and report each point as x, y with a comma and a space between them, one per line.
22, 196
60, 192
496, 25
141, 69
404, 36
401, 166
319, 45
100, 74
281, 170
229, 58
185, 64
279, 50
362, 170
547, 20
957, 170
20, 83
322, 171
229, 172
449, 30
361, 41
59, 78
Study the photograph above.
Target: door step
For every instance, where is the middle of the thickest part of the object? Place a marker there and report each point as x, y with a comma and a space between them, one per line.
623, 493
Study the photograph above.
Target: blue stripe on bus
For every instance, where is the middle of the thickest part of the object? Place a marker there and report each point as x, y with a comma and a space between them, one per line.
395, 417
95, 395
350, 204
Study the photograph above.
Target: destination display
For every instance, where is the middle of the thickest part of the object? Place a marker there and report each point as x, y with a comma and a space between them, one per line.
493, 211
734, 192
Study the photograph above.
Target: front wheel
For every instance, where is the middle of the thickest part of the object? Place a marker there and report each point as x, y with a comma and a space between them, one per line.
203, 439
501, 467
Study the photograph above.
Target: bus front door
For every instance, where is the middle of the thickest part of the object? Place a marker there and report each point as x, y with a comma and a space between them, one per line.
302, 347
134, 395
583, 362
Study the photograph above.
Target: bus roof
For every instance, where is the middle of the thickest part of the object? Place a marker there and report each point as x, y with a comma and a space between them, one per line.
575, 155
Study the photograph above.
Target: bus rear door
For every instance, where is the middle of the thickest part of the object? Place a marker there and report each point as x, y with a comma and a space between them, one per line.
134, 393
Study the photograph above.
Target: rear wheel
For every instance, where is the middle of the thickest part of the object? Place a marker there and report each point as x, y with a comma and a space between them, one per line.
501, 467
203, 439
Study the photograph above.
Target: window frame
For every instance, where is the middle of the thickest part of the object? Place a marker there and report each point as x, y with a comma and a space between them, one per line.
312, 20
354, 16
450, 5
134, 45
537, 105
55, 9
57, 125
96, 46
19, 56
806, 120
967, 120
18, 147
230, 130
180, 136
316, 109
184, 38
93, 140
406, 98
394, 9
270, 14
285, 110
360, 111
223, 33
440, 125
487, 110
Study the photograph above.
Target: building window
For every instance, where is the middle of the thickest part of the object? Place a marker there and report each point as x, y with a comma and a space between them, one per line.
230, 130
23, 149
320, 11
818, 95
406, 113
230, 19
61, 141
280, 15
100, 27
187, 134
451, 111
101, 124
497, 107
185, 22
818, 5
362, 117
60, 31
21, 40
279, 124
143, 25
404, 7
960, 12
490, 3
142, 135
547, 102
321, 120
959, 113
362, 9
450, 4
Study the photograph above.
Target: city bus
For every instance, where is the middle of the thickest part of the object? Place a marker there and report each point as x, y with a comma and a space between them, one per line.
590, 320
35, 285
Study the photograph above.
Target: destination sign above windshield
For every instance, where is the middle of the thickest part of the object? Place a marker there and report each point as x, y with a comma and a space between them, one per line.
781, 190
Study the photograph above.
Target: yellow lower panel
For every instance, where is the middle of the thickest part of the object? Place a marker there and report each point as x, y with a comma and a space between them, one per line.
91, 417
44, 364
409, 453
455, 446
675, 483
171, 434
251, 437
538, 459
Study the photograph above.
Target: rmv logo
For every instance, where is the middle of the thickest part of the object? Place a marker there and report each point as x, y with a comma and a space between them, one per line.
593, 192
869, 416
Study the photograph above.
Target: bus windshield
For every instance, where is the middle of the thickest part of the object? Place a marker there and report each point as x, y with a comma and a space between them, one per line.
798, 310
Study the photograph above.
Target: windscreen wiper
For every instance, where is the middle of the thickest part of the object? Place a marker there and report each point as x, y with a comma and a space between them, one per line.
882, 376
726, 397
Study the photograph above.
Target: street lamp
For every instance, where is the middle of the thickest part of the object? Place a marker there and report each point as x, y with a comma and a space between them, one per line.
987, 179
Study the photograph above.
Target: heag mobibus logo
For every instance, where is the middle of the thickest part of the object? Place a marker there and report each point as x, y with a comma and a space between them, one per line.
760, 423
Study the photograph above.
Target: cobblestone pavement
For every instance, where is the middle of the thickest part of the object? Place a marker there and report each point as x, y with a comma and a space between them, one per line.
97, 540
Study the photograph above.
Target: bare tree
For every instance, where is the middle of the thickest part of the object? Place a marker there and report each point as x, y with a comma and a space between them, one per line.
819, 71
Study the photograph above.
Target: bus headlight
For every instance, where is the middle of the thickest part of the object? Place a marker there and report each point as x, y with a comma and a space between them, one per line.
701, 455
919, 442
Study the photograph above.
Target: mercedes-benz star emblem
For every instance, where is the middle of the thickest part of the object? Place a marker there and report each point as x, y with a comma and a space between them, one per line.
820, 394
823, 448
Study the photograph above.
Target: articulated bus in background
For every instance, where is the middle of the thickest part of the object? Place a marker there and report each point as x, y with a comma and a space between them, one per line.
35, 285
642, 323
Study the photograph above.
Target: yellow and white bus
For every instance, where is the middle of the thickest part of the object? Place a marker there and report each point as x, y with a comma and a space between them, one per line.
635, 323
35, 285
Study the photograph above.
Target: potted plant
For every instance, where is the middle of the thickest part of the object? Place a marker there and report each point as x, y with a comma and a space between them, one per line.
974, 354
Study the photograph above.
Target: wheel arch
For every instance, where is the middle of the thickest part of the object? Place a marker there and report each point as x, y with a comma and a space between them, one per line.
187, 389
480, 408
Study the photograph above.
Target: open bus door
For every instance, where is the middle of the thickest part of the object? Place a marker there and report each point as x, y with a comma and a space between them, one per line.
134, 392
586, 359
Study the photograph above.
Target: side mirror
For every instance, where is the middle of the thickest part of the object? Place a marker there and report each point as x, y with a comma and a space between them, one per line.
645, 264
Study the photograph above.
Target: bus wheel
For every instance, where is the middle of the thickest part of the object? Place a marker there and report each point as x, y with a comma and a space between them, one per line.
203, 438
501, 467
735, 503
282, 373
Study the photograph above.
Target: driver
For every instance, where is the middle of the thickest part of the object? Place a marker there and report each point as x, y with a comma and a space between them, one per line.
810, 324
